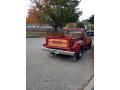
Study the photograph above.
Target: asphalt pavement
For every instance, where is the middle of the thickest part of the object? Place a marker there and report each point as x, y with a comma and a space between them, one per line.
57, 72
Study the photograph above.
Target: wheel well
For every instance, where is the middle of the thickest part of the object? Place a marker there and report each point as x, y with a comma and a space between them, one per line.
81, 47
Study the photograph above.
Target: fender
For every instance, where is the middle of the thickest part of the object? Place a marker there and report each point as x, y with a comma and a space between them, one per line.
77, 45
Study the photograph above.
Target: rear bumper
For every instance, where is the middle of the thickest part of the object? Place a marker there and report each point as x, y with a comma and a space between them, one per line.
59, 51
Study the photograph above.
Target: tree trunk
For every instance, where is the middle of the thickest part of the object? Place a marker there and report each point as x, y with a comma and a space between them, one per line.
55, 29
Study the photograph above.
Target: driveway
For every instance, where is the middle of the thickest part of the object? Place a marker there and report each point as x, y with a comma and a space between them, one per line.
57, 72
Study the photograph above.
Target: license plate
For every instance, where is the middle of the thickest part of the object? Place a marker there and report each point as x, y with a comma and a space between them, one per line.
55, 51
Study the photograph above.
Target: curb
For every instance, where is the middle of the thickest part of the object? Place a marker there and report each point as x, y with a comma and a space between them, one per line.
90, 85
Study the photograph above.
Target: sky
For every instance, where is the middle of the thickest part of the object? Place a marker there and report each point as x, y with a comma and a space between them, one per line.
87, 7
27, 5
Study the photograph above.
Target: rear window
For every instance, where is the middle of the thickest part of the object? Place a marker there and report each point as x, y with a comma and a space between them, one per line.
74, 33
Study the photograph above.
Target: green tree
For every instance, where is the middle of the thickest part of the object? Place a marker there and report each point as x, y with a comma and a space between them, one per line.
80, 25
59, 12
91, 19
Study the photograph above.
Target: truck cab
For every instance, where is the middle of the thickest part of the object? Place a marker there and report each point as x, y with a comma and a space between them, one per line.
73, 42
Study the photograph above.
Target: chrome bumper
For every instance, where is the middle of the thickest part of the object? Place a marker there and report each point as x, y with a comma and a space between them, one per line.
56, 51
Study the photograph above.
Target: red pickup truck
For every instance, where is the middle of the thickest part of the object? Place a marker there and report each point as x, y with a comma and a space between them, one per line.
72, 42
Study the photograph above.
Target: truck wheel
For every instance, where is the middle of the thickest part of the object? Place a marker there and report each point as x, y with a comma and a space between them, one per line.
51, 54
74, 58
79, 55
44, 45
89, 46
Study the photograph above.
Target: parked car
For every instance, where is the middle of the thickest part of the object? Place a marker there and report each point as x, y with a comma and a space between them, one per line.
72, 42
90, 32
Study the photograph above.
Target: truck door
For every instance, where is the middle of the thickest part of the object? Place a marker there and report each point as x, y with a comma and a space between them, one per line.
87, 40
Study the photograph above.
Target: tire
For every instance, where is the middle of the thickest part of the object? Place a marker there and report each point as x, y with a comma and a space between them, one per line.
89, 46
44, 45
51, 54
74, 58
77, 56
